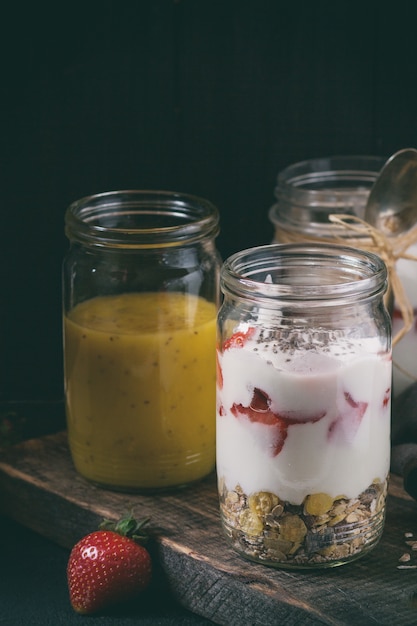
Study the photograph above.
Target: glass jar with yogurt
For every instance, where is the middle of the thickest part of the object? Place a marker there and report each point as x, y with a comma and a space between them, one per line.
141, 295
303, 403
307, 193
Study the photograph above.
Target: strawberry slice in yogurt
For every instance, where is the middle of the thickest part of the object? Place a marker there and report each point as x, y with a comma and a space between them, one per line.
259, 411
349, 419
239, 338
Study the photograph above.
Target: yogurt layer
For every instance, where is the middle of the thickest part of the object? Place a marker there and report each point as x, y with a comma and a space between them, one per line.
315, 419
404, 361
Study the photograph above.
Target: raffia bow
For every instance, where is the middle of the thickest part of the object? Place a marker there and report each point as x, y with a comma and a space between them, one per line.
390, 249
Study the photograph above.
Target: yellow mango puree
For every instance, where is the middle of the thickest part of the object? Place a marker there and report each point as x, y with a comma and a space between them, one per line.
140, 389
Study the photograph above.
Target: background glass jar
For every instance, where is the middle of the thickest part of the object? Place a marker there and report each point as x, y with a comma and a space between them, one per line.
307, 193
303, 403
141, 293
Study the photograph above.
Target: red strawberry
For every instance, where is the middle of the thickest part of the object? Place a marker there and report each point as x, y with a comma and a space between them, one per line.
108, 566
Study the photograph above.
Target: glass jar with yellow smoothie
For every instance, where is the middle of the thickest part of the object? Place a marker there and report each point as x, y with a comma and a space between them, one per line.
141, 294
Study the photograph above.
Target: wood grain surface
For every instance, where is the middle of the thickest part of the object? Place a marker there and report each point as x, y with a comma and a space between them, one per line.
40, 488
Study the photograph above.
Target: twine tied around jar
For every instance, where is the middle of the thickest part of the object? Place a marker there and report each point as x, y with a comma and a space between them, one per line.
390, 250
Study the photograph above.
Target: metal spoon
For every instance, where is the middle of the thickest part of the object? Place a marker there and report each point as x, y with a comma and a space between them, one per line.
392, 201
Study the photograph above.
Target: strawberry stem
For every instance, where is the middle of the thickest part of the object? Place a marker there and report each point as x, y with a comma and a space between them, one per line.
127, 526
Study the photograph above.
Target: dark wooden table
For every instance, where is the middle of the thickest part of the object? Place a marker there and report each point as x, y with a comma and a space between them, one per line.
40, 489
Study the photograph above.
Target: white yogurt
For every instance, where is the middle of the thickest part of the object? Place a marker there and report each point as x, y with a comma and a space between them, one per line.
319, 422
405, 351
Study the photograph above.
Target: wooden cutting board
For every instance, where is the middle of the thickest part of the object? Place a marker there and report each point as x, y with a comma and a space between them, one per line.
40, 489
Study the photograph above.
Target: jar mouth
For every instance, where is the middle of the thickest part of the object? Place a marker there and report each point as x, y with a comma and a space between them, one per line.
310, 275
145, 218
309, 191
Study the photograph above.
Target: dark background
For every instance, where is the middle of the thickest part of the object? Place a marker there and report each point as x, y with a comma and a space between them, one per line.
208, 97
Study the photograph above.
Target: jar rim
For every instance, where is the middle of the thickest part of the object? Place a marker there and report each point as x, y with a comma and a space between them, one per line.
309, 191
144, 218
304, 274
314, 175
